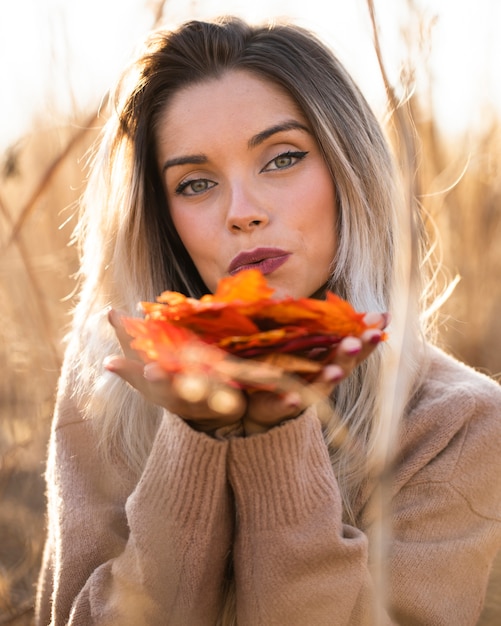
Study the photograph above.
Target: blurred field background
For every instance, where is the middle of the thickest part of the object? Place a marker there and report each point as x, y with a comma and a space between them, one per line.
42, 174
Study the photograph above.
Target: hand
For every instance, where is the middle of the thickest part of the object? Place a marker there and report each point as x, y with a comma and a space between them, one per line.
268, 409
207, 403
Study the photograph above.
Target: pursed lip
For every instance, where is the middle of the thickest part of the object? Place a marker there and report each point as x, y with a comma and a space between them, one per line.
270, 258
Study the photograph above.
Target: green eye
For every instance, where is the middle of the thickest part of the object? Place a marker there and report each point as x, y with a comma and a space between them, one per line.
198, 185
194, 187
285, 160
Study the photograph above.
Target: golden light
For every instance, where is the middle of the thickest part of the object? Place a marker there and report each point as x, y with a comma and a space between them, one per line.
58, 58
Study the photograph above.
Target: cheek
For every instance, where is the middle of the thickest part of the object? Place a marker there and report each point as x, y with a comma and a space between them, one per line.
322, 222
201, 244
317, 211
188, 228
198, 245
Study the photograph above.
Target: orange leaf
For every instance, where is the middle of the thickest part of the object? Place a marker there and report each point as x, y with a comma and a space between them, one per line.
241, 318
248, 286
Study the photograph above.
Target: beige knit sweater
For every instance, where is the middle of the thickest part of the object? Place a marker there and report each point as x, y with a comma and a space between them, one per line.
157, 552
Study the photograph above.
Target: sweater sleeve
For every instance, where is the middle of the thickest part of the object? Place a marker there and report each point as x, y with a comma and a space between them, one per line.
297, 563
156, 555
446, 507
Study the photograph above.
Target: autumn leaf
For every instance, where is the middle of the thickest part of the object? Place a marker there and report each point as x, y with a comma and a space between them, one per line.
243, 320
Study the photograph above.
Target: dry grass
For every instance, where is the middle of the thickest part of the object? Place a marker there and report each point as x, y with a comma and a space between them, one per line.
35, 268
468, 217
43, 176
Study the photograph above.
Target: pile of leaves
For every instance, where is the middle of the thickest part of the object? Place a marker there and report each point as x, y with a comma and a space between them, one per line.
242, 319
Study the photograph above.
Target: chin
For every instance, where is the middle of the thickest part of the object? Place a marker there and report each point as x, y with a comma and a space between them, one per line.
283, 291
295, 291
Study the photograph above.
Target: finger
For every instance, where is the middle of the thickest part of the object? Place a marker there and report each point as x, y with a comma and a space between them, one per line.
197, 396
115, 319
377, 320
269, 409
129, 370
326, 382
351, 351
347, 353
154, 372
370, 340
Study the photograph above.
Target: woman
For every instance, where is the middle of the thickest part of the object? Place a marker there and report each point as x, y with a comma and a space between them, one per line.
232, 147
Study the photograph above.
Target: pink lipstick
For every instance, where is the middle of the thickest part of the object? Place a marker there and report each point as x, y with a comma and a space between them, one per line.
267, 260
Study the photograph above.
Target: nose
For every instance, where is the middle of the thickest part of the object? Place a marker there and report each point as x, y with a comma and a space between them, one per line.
245, 212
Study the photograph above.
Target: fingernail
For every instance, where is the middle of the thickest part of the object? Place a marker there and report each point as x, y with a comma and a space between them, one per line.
353, 351
375, 338
115, 317
112, 317
372, 318
293, 400
333, 373
109, 363
153, 372
351, 346
380, 320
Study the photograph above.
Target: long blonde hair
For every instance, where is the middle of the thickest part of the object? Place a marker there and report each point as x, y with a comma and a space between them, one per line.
130, 250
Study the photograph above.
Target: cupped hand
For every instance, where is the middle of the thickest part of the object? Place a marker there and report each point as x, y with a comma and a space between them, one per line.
206, 402
266, 409
209, 401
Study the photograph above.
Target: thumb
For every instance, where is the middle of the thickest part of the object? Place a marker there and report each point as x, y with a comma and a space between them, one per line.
124, 339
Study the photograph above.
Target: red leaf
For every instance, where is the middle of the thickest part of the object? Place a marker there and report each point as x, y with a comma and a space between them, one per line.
241, 318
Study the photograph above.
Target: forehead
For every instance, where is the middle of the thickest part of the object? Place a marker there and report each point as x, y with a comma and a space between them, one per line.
238, 101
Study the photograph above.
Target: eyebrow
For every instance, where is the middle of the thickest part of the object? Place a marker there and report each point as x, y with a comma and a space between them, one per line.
196, 159
277, 128
256, 140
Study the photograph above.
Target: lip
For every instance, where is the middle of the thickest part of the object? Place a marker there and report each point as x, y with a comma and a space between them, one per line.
267, 260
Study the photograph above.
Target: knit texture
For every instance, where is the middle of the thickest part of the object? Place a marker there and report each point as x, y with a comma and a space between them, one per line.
158, 551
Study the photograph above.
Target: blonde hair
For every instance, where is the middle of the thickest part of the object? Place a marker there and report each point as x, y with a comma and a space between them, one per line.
130, 250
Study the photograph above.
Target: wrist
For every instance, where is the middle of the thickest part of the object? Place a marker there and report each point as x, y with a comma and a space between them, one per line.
219, 431
254, 428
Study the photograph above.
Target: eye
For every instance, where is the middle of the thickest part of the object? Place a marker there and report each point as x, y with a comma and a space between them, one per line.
284, 160
194, 187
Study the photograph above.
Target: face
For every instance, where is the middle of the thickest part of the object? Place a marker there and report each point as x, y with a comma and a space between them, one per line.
246, 184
